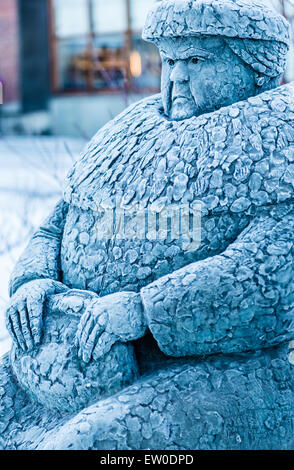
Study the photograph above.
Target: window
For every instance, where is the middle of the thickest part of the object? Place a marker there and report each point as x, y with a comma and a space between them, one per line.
97, 45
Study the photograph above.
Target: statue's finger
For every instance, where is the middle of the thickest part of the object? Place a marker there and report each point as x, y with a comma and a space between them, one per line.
103, 346
15, 323
86, 332
91, 342
81, 326
9, 326
25, 327
35, 312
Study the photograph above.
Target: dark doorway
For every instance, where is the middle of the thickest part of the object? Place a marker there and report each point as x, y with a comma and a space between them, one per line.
34, 54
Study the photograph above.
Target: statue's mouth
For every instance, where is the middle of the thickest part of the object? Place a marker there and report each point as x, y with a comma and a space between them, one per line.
180, 98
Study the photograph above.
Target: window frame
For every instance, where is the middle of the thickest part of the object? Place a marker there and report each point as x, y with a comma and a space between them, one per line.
54, 61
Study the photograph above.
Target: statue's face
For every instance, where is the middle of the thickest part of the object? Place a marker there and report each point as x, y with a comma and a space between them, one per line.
200, 75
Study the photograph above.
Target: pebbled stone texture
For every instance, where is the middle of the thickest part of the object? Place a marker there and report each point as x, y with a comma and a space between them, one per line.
229, 18
55, 376
246, 253
219, 403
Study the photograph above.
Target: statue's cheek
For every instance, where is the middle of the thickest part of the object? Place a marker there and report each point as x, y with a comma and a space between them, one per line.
202, 86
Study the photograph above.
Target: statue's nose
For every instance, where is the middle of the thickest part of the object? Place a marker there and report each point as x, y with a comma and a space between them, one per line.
180, 72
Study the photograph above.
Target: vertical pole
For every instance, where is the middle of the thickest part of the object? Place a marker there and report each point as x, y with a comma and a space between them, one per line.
91, 47
34, 53
53, 42
128, 46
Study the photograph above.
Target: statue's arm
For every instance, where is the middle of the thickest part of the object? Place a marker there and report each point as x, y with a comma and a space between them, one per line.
36, 276
41, 258
239, 300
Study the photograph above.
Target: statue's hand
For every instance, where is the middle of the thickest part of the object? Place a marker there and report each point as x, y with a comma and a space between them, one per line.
24, 315
72, 302
115, 317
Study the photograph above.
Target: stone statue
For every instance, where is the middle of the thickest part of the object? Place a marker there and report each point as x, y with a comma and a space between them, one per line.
154, 308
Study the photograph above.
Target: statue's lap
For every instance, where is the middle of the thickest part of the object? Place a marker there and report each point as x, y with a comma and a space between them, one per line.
56, 377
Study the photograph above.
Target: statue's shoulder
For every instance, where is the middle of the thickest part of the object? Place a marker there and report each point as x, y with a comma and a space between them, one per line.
247, 141
127, 122
263, 167
119, 136
282, 104
279, 102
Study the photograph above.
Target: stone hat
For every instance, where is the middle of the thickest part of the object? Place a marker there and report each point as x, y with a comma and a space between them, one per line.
244, 19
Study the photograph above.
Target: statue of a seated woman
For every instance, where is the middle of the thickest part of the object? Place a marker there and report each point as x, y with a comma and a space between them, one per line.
154, 307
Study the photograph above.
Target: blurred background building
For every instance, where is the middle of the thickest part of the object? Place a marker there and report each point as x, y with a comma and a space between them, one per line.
68, 66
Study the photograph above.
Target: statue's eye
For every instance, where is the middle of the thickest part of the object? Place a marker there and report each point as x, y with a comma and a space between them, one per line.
171, 62
194, 60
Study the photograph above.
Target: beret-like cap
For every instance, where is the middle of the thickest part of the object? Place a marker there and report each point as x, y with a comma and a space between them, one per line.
244, 19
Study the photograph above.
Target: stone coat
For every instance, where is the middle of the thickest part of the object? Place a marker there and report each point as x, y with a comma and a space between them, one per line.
231, 298
234, 291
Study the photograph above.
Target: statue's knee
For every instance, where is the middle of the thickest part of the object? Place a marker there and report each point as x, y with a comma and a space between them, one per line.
101, 427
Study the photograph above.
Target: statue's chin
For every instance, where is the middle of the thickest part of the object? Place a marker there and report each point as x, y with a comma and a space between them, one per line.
183, 110
181, 115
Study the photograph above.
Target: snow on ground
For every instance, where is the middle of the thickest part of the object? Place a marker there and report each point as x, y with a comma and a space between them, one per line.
32, 171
